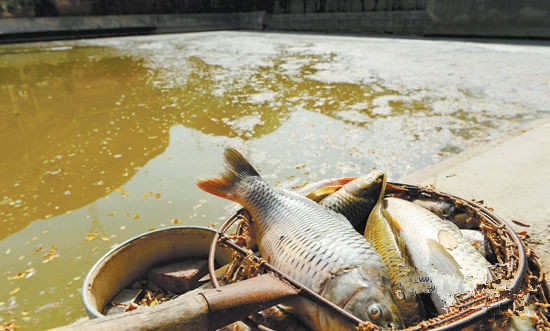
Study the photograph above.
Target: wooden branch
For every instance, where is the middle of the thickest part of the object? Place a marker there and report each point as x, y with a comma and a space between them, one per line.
187, 312
200, 309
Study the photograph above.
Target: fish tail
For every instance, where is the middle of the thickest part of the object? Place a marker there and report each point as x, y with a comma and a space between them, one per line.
237, 168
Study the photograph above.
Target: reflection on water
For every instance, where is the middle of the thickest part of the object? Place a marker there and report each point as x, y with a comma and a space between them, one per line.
101, 143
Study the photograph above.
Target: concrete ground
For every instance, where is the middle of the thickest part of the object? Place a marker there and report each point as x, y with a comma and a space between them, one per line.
511, 175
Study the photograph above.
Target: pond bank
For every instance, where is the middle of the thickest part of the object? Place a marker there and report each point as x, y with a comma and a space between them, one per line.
510, 175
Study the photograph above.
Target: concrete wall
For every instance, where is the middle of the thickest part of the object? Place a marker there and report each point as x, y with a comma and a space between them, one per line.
331, 6
483, 18
252, 20
155, 23
46, 8
495, 18
492, 18
403, 22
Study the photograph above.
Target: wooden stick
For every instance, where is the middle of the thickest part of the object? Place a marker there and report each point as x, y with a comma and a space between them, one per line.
187, 312
200, 309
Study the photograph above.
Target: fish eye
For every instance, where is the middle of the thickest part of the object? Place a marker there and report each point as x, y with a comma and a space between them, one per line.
375, 311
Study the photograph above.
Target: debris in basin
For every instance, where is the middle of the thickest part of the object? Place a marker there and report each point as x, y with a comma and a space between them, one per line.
127, 296
124, 301
179, 277
142, 292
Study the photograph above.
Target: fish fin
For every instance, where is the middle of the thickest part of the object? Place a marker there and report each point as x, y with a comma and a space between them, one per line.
441, 260
237, 169
238, 165
323, 192
343, 181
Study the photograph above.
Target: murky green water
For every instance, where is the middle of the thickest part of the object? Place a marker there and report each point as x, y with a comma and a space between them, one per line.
103, 140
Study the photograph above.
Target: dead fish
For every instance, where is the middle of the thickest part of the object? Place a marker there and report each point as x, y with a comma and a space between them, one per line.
448, 211
404, 288
437, 249
356, 199
313, 245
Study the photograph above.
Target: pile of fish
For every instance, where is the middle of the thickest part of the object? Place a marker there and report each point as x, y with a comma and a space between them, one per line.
380, 258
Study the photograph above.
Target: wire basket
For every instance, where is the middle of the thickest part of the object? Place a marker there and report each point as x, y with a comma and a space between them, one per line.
517, 280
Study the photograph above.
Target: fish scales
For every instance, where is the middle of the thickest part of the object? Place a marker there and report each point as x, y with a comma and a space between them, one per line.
297, 239
315, 246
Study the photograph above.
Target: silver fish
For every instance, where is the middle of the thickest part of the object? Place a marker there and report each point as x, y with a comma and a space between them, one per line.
437, 249
448, 211
313, 245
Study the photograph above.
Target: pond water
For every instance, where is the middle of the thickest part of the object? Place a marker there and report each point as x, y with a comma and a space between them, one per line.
101, 140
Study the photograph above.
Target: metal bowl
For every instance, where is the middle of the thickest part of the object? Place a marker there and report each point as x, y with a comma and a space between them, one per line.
125, 263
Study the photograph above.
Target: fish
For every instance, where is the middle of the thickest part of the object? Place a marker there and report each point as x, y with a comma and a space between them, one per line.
404, 277
447, 210
356, 199
438, 249
314, 246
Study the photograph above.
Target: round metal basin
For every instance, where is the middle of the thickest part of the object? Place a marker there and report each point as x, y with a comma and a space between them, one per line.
131, 259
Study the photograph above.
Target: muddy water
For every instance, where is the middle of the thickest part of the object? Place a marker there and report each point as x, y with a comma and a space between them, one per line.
103, 140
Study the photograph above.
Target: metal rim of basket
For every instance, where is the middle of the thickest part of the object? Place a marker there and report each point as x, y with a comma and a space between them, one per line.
471, 307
